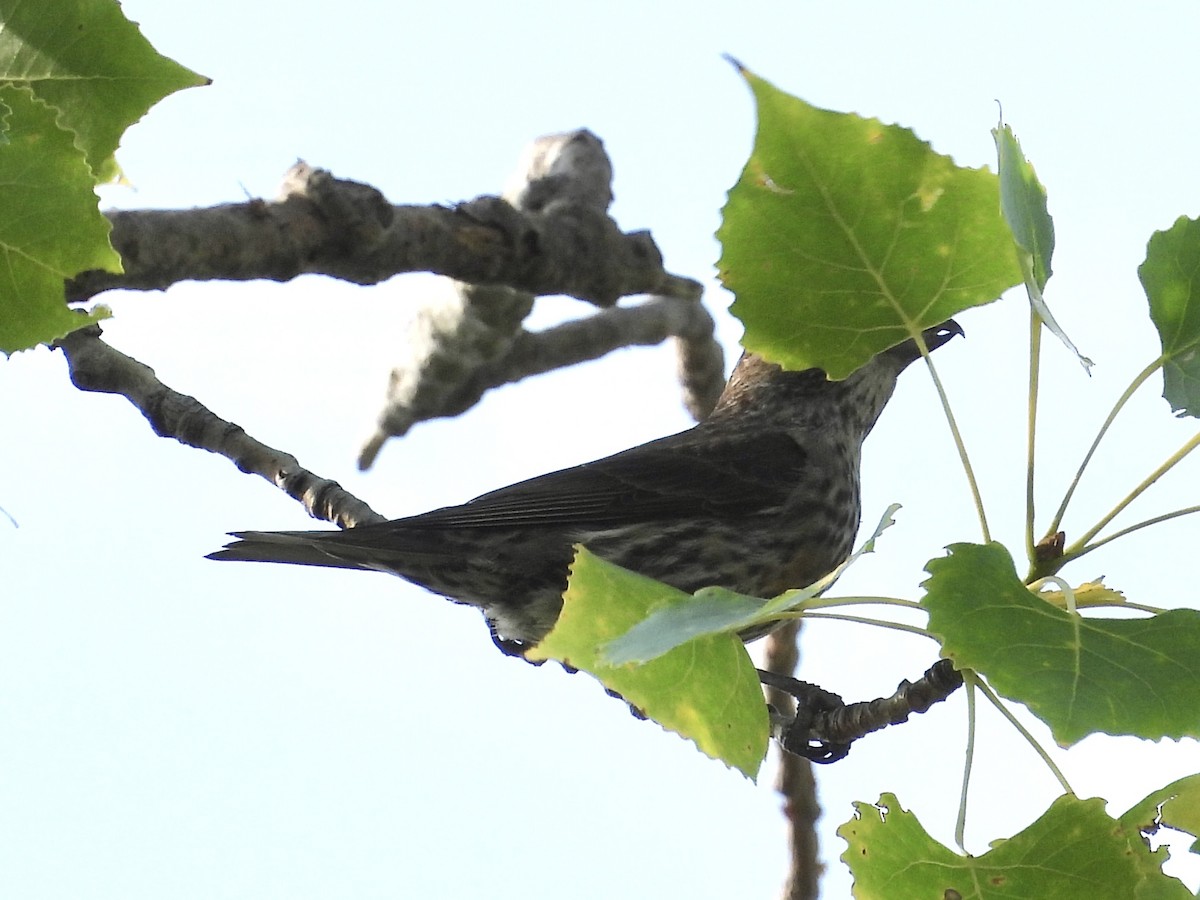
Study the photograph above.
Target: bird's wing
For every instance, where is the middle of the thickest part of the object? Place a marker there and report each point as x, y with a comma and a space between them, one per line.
687, 474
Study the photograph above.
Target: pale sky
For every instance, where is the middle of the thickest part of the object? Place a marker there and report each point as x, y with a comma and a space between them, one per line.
176, 728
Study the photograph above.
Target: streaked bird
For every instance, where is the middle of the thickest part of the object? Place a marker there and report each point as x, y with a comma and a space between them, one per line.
761, 496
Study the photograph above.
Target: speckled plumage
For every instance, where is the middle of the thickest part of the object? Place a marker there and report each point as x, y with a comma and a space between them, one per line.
760, 497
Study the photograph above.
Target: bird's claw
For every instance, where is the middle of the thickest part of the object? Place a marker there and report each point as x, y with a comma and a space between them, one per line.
795, 733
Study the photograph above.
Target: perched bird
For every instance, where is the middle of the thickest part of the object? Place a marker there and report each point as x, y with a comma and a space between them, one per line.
761, 496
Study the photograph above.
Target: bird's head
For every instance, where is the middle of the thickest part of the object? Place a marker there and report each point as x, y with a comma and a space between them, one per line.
807, 398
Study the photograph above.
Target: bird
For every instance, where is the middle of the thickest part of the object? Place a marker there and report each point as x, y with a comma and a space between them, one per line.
759, 497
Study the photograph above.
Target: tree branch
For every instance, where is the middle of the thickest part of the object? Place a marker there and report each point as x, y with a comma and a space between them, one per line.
323, 225
95, 366
549, 233
856, 720
451, 389
824, 726
473, 341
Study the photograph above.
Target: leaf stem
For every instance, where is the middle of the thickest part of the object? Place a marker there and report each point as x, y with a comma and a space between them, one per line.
1080, 546
828, 602
1064, 586
970, 681
1186, 511
1137, 382
1035, 358
1130, 604
959, 445
1024, 732
863, 620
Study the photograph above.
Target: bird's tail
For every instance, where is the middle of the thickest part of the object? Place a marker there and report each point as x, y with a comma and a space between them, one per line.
303, 548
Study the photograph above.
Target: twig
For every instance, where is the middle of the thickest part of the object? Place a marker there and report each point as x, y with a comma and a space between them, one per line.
824, 727
95, 366
460, 347
857, 720
533, 353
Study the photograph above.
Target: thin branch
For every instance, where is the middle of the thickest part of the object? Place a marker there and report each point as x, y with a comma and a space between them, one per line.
95, 366
649, 323
471, 341
825, 726
534, 353
857, 720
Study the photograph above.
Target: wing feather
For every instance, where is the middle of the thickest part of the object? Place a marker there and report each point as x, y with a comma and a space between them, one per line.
678, 476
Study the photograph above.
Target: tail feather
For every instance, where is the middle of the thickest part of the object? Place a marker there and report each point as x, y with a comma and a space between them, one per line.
373, 548
303, 548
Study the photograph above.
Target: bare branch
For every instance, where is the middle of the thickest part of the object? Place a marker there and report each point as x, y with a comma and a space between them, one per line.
549, 233
473, 341
650, 323
533, 353
347, 230
857, 720
96, 366
825, 726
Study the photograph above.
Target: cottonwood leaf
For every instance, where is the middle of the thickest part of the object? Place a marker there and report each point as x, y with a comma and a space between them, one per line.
92, 64
1074, 850
1023, 204
1080, 675
50, 224
1171, 278
845, 236
706, 690
1175, 806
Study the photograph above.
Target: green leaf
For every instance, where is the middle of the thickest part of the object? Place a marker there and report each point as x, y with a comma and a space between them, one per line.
711, 610
1023, 204
1079, 675
50, 225
91, 63
74, 74
845, 236
1074, 850
706, 690
1175, 806
1171, 278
